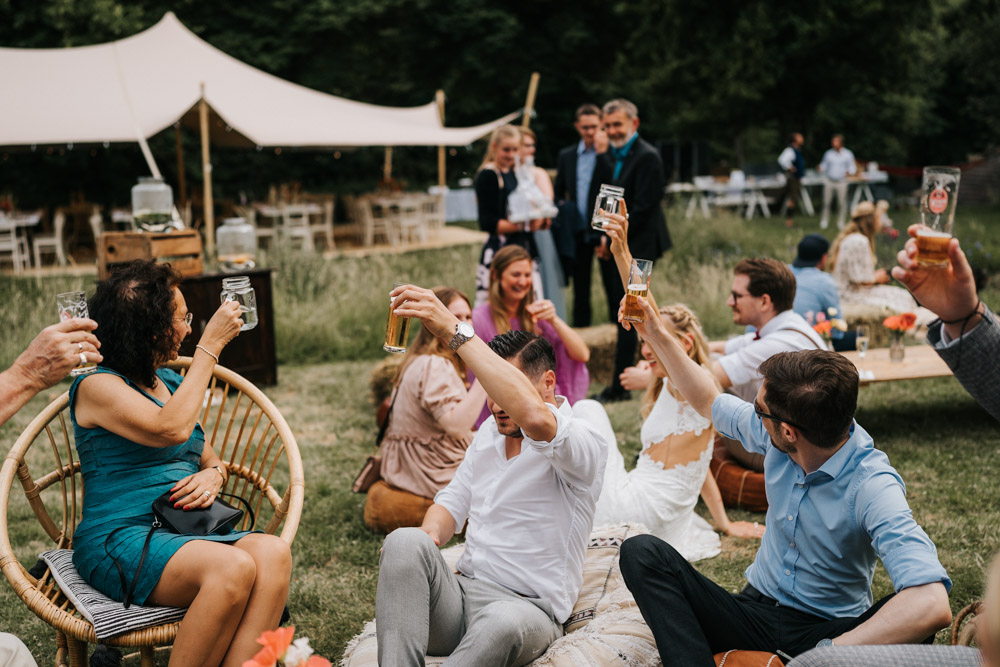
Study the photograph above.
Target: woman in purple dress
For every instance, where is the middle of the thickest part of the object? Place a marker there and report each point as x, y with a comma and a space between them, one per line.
511, 304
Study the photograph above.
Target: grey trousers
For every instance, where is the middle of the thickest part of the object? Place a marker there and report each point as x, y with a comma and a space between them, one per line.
423, 608
831, 188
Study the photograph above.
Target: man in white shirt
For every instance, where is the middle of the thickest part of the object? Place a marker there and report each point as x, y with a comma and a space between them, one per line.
528, 487
837, 164
762, 296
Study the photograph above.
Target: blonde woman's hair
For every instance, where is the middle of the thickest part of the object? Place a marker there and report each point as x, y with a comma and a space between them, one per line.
499, 134
680, 320
865, 224
498, 309
428, 343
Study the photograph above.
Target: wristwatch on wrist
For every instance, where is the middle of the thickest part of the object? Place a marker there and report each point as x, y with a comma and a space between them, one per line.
463, 332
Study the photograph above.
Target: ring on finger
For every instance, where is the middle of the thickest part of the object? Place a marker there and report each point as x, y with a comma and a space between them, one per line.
79, 347
83, 359
207, 494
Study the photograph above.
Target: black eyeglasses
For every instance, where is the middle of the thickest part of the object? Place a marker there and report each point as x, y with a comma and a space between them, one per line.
187, 319
764, 415
737, 297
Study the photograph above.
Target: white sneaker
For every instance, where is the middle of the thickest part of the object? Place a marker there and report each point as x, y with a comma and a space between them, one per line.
823, 224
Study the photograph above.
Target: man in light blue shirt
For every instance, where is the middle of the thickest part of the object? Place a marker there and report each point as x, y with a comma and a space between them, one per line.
836, 506
837, 164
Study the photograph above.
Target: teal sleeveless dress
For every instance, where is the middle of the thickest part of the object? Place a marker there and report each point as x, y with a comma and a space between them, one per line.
121, 480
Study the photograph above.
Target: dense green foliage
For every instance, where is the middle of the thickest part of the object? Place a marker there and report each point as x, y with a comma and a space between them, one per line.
908, 83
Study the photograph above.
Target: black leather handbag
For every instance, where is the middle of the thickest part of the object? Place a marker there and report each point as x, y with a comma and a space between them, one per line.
219, 518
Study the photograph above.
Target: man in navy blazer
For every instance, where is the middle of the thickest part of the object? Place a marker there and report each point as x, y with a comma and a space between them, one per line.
578, 181
636, 166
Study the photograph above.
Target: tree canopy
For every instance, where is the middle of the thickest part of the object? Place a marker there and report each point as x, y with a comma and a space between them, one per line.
907, 83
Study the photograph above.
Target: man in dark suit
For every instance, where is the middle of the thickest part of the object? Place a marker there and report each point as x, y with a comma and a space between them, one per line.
634, 165
576, 187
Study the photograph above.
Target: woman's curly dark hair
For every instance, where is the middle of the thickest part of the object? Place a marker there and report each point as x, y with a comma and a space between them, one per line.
134, 310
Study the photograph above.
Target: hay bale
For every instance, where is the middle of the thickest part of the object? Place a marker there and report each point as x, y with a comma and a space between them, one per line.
601, 341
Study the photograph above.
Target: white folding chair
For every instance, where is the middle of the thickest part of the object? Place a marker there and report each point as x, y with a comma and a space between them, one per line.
53, 242
378, 219
432, 207
411, 220
325, 228
295, 225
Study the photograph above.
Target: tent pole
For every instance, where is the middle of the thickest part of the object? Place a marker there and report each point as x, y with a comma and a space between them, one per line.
387, 165
206, 168
181, 180
441, 155
529, 103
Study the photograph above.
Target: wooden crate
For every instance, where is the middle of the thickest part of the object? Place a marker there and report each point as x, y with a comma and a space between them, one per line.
181, 248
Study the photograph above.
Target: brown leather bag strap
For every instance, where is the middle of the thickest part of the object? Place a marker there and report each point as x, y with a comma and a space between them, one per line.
803, 334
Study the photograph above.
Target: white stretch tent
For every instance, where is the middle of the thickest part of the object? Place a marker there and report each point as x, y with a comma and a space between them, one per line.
135, 87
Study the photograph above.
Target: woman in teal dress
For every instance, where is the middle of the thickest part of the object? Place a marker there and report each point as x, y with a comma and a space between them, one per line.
137, 435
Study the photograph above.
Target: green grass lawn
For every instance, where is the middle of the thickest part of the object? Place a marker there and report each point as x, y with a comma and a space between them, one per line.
330, 320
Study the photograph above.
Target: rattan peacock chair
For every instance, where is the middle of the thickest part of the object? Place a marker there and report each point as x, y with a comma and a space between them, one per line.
243, 426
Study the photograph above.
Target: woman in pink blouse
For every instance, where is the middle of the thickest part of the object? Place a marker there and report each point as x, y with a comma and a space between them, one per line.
430, 426
511, 305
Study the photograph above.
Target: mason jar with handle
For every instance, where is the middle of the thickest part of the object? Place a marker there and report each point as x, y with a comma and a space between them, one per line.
238, 289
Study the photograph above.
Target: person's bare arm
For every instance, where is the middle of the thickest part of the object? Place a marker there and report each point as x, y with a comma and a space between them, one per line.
693, 381
717, 346
189, 492
506, 385
636, 377
439, 524
713, 501
617, 231
912, 615
53, 353
545, 310
460, 419
721, 375
105, 400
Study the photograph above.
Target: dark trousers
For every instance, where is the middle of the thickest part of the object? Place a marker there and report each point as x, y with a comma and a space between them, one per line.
583, 266
628, 341
692, 618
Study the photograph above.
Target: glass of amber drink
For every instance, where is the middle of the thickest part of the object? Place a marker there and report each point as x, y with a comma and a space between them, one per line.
397, 329
938, 197
638, 285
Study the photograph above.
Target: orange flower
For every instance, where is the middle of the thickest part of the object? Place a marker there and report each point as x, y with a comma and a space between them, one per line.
900, 322
317, 661
823, 328
264, 658
275, 643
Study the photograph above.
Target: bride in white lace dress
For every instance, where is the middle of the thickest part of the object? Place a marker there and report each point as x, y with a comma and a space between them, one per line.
672, 470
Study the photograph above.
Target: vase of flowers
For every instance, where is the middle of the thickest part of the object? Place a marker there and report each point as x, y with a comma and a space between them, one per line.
827, 325
898, 325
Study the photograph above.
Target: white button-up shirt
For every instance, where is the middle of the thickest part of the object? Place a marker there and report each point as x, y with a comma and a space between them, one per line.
838, 165
785, 332
529, 517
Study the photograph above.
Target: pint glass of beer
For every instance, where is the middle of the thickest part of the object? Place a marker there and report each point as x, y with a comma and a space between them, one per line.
609, 199
638, 285
938, 196
397, 329
70, 305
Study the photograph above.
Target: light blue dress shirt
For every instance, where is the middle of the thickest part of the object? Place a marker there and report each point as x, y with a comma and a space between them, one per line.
586, 160
826, 529
815, 292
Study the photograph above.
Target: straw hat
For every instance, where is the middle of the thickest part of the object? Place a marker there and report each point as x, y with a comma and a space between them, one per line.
863, 209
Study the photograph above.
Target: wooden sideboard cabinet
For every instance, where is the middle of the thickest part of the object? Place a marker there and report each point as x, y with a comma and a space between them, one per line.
252, 353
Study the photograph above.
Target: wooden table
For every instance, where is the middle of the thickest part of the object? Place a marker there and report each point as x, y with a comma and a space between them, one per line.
921, 361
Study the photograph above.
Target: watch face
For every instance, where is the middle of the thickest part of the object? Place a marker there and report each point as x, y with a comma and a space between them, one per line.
465, 329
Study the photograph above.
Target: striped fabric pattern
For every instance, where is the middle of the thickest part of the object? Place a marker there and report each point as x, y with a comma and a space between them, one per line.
110, 618
905, 655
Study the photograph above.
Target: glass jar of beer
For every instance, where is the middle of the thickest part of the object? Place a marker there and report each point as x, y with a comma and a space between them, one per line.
236, 241
238, 289
152, 205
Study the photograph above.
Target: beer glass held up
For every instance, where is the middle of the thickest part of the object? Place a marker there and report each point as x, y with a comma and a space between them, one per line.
70, 305
938, 197
638, 285
609, 199
397, 329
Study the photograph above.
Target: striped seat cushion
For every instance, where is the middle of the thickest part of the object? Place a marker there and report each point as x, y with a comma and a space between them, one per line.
109, 618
